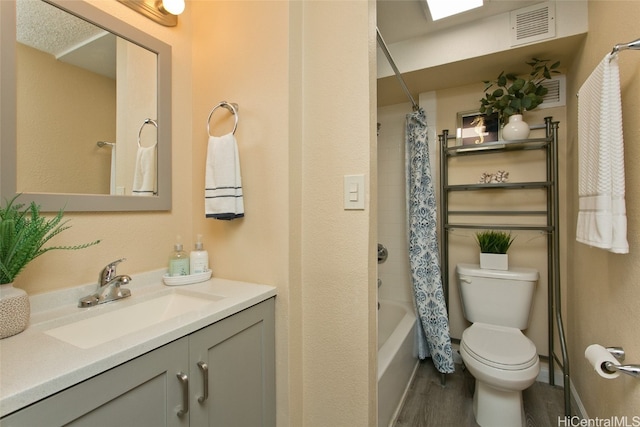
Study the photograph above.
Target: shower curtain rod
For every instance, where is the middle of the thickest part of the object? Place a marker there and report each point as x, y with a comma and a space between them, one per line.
386, 52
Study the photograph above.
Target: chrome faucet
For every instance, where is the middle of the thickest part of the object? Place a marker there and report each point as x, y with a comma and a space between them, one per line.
108, 287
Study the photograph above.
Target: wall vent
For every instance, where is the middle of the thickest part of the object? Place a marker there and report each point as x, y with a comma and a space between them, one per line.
557, 95
534, 23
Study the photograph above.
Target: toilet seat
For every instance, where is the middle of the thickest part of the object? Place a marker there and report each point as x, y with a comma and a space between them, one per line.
499, 346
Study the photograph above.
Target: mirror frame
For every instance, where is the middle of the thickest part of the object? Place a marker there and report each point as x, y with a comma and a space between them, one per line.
51, 202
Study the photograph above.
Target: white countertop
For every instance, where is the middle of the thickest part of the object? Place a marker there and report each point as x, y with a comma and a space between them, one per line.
34, 365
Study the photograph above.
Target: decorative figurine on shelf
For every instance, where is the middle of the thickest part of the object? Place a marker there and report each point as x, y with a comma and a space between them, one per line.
494, 178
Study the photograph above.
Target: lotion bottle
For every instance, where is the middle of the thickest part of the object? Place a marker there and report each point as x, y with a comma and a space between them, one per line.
178, 262
199, 258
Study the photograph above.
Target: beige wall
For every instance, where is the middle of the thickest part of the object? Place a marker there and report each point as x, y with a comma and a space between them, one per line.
338, 247
249, 65
603, 289
303, 74
47, 144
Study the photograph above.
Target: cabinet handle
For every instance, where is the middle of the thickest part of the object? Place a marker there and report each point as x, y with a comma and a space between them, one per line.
184, 380
205, 381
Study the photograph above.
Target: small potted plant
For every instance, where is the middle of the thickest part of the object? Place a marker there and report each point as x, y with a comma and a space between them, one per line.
513, 95
494, 245
23, 233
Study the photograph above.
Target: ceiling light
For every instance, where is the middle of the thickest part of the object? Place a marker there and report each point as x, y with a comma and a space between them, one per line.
443, 8
161, 11
174, 7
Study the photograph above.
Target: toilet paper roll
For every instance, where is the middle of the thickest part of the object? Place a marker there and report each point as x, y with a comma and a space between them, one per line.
597, 355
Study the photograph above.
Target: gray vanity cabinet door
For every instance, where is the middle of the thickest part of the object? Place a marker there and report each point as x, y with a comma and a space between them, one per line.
239, 352
143, 392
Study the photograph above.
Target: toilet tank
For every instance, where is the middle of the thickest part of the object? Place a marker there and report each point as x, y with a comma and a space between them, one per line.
497, 297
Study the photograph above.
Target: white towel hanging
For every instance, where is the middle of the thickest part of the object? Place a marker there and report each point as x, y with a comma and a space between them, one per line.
602, 220
223, 182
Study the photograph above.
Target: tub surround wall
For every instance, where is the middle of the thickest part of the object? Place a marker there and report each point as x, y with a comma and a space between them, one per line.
603, 288
392, 218
395, 273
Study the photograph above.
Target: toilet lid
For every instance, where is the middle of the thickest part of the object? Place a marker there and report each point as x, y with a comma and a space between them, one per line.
499, 346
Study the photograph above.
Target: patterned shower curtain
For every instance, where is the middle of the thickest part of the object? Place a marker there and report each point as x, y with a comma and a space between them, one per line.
433, 326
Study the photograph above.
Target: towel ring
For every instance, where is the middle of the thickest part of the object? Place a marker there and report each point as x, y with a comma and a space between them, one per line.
233, 108
146, 122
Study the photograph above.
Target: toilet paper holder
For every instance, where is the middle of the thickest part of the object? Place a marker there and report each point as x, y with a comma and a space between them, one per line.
619, 354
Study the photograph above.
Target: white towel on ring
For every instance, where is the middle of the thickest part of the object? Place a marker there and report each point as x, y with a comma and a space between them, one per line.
223, 182
144, 176
602, 220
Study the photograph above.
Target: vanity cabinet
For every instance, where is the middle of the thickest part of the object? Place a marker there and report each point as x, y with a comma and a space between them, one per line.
239, 357
223, 374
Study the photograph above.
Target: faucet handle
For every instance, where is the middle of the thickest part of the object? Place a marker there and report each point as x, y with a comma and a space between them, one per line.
109, 272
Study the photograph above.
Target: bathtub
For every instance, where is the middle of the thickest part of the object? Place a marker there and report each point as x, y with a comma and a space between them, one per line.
397, 360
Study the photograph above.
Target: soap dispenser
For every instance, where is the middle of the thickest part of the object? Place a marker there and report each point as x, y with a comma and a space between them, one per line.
199, 258
178, 262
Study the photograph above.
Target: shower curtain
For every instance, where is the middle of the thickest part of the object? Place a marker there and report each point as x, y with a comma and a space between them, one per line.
433, 331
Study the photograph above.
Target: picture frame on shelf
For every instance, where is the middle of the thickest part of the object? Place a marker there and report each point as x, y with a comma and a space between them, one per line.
476, 128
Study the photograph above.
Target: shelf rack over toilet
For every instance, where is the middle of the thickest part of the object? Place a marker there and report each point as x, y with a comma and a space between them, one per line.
548, 143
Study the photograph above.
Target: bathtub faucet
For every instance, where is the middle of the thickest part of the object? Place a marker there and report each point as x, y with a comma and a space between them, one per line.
382, 253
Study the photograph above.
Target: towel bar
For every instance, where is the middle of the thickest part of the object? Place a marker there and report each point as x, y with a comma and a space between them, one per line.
233, 109
634, 45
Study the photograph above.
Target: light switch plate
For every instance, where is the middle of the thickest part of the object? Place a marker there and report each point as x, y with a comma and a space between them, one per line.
354, 193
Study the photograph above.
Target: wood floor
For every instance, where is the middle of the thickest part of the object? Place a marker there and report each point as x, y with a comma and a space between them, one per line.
429, 404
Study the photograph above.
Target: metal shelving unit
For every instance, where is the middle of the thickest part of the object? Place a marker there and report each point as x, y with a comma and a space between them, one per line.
549, 143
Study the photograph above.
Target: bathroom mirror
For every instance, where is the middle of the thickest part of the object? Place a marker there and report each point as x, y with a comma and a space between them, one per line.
79, 151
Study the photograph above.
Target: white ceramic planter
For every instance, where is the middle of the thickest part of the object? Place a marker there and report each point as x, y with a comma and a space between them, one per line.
516, 128
494, 261
15, 310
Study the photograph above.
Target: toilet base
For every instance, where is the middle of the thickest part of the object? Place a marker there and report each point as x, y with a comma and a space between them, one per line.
493, 407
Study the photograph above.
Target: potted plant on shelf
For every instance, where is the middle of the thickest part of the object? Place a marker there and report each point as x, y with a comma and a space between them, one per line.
494, 245
23, 233
513, 95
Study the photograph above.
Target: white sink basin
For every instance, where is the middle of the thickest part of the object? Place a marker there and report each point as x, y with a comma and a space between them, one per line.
101, 328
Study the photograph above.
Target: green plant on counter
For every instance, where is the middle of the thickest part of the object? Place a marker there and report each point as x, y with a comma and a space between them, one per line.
494, 242
23, 233
515, 95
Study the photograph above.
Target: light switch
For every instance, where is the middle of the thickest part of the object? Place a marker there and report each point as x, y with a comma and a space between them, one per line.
354, 192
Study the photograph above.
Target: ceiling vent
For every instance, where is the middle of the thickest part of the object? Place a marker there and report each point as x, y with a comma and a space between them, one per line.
533, 23
557, 95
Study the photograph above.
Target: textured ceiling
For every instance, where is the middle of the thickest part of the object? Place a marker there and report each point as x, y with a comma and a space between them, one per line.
49, 29
66, 37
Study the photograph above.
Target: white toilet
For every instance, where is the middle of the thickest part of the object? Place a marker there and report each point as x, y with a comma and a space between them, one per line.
495, 351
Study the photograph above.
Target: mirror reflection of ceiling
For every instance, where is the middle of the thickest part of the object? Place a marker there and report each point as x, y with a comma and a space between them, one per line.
66, 37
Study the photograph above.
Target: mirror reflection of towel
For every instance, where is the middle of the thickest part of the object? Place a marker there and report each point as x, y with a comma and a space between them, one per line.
144, 177
223, 183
